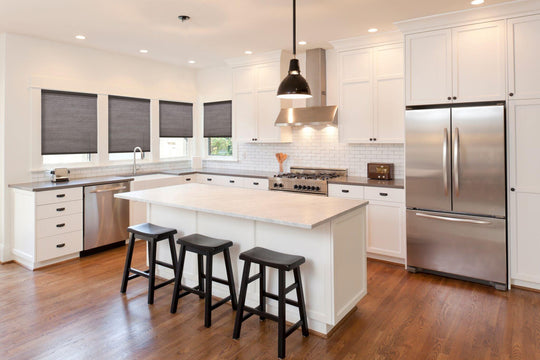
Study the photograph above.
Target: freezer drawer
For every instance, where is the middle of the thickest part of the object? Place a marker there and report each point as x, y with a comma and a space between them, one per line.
469, 246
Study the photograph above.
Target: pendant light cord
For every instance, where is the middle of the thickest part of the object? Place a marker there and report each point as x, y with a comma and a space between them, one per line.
294, 27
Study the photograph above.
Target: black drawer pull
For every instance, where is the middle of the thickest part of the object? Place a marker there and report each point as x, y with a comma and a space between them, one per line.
60, 195
61, 209
188, 179
60, 245
60, 225
208, 179
231, 181
383, 194
344, 191
255, 183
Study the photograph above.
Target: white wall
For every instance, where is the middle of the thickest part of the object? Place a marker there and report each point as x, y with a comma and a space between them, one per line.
2, 142
41, 63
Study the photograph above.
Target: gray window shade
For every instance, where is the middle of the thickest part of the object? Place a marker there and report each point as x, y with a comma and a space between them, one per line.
129, 124
68, 123
218, 119
175, 119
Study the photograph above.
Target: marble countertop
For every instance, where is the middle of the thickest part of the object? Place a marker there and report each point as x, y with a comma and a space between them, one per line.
363, 181
297, 210
49, 185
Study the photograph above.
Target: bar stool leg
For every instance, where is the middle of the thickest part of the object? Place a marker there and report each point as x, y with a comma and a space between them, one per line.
127, 265
201, 272
172, 248
152, 272
178, 279
281, 314
208, 292
230, 278
301, 302
241, 300
262, 290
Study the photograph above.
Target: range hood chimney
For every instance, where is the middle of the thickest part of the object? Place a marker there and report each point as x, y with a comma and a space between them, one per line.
316, 112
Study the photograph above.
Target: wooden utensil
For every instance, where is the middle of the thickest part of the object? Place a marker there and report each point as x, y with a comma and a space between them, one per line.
281, 157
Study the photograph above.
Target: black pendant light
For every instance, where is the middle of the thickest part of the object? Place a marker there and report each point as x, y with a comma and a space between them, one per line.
294, 86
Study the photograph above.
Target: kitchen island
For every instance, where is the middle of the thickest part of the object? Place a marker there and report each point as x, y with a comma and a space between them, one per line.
329, 232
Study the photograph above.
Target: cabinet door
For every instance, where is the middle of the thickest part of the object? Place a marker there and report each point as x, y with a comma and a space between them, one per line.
385, 229
525, 200
356, 108
524, 57
389, 110
428, 68
244, 116
268, 107
479, 62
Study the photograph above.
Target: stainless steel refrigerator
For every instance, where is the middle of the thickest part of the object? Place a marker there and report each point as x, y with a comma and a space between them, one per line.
456, 191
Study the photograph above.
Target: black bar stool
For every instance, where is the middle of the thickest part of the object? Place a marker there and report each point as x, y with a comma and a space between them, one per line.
281, 262
204, 246
151, 234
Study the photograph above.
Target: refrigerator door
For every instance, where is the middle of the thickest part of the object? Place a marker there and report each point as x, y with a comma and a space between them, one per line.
473, 247
428, 174
478, 160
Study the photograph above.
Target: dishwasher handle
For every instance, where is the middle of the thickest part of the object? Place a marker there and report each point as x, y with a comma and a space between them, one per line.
108, 190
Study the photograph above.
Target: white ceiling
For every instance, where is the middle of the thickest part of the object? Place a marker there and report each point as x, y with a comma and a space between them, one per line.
218, 29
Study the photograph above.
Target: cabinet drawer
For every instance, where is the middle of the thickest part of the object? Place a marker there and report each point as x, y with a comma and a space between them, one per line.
384, 194
346, 191
61, 209
60, 245
55, 196
210, 179
253, 183
232, 181
58, 225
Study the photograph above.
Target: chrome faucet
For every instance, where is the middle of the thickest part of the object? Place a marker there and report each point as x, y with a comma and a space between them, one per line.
135, 158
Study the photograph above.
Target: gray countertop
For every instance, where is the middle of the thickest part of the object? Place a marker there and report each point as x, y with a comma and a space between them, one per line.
363, 181
49, 185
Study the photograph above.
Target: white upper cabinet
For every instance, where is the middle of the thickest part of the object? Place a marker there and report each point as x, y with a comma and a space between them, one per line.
463, 64
371, 95
255, 104
428, 64
478, 60
524, 57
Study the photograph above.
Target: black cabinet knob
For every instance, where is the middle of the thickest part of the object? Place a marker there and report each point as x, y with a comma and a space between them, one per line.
511, 94
255, 183
455, 98
449, 98
512, 189
60, 245
374, 139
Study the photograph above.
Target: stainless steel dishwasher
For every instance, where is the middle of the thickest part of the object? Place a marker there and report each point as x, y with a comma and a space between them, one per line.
105, 217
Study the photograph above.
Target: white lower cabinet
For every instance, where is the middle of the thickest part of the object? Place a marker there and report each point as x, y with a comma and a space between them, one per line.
256, 183
48, 226
385, 219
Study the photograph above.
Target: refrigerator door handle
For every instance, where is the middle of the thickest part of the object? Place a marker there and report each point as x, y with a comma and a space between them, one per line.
456, 162
447, 218
445, 162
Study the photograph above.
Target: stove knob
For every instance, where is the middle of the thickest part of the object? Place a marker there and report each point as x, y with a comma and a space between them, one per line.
275, 185
304, 187
310, 187
318, 188
280, 185
296, 186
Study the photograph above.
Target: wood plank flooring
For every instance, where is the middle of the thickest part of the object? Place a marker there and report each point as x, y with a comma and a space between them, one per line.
75, 310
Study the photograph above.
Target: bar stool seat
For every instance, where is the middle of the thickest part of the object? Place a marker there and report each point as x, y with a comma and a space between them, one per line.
152, 234
283, 263
207, 246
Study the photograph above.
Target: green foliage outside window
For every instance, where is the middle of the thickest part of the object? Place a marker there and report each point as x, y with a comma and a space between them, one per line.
220, 146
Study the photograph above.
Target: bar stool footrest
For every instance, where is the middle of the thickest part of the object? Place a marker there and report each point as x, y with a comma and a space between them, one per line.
220, 302
275, 297
257, 311
293, 328
170, 266
170, 281
218, 280
138, 273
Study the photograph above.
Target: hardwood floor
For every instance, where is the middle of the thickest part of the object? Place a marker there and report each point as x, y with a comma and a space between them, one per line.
75, 310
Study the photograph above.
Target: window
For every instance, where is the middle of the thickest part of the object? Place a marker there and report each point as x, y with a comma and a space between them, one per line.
68, 127
175, 127
218, 128
129, 125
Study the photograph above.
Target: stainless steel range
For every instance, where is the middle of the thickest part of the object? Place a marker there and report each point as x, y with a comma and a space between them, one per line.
305, 180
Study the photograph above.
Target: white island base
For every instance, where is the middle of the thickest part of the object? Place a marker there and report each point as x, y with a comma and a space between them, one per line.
334, 274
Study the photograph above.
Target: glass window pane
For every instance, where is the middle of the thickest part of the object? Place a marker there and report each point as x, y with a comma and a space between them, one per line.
172, 147
221, 146
124, 156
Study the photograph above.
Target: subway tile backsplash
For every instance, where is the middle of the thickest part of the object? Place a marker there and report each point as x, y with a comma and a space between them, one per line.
315, 147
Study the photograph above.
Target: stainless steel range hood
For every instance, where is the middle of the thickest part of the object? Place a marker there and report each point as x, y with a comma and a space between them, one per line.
316, 112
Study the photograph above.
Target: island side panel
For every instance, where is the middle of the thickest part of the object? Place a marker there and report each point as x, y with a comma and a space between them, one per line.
350, 264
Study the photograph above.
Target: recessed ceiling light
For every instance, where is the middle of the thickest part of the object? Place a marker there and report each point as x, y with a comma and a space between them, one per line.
477, 2
80, 37
191, 61
373, 30
143, 51
248, 52
302, 42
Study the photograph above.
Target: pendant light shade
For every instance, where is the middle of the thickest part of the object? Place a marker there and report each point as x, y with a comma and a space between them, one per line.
294, 86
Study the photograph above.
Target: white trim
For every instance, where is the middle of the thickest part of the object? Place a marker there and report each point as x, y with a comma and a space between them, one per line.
469, 16
387, 38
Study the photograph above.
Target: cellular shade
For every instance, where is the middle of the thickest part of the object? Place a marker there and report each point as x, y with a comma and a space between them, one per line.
68, 123
129, 124
175, 119
218, 119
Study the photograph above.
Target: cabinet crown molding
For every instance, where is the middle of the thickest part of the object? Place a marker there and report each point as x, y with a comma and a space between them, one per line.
468, 16
364, 41
247, 60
